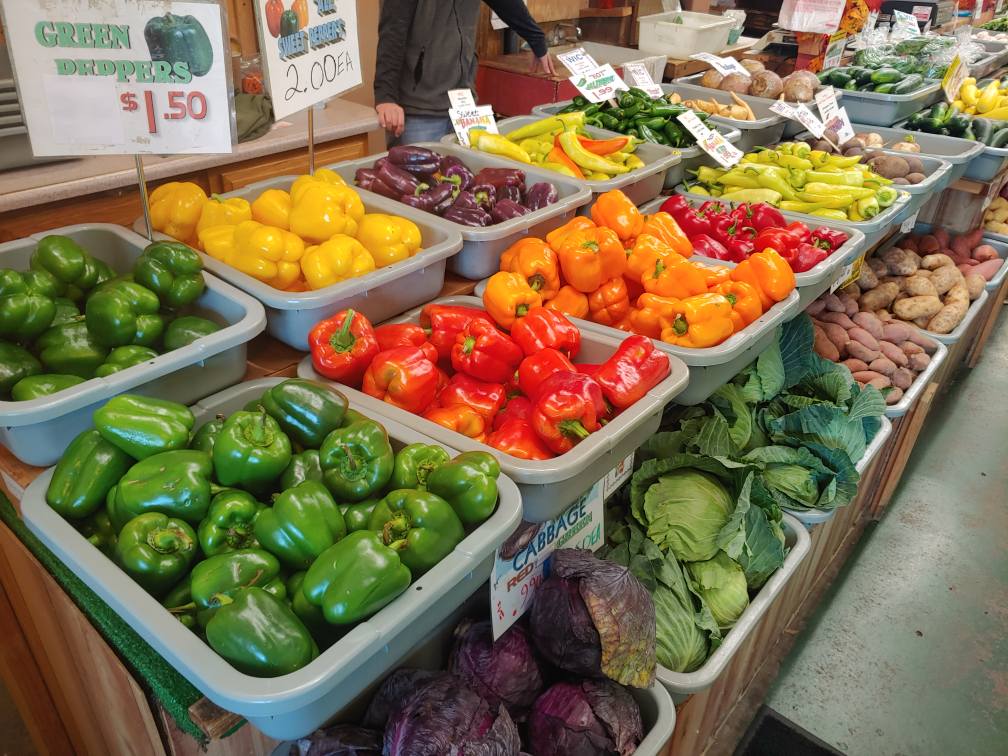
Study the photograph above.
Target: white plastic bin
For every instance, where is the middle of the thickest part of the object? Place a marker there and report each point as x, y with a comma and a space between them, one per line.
683, 33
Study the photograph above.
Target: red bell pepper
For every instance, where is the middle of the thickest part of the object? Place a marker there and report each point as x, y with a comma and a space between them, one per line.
633, 370
461, 419
443, 323
735, 238
343, 346
518, 438
536, 368
807, 256
706, 246
485, 353
464, 390
800, 232
760, 215
568, 410
692, 220
403, 377
781, 240
829, 239
392, 335
542, 329
517, 408
586, 368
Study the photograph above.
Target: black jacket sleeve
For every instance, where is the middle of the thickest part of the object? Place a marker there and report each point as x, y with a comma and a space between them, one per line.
393, 31
516, 15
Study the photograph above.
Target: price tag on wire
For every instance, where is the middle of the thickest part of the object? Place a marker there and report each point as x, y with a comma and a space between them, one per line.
954, 77
599, 85
638, 74
848, 274
578, 62
478, 116
723, 66
709, 140
907, 226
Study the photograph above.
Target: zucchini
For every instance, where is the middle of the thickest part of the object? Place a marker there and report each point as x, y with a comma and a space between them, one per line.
911, 83
851, 86
958, 124
864, 76
886, 76
983, 129
940, 112
889, 88
1000, 139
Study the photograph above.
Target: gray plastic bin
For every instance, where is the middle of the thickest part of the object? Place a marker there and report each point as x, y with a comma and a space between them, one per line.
814, 282
640, 185
684, 684
886, 109
959, 152
984, 166
911, 395
1000, 244
377, 295
482, 247
292, 705
37, 431
550, 485
812, 517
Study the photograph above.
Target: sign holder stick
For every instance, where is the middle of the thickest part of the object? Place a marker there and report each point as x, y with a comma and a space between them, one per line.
143, 196
311, 140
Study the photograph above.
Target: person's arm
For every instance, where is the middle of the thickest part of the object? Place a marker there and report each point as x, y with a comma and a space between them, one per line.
393, 31
516, 16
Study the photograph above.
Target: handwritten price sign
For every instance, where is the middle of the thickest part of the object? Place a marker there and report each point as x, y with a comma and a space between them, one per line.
599, 85
114, 78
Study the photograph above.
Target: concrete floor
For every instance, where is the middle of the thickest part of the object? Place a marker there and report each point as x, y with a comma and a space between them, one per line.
908, 653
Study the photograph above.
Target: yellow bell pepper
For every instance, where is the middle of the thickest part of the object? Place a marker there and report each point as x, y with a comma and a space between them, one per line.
389, 238
320, 210
335, 260
223, 212
272, 208
267, 253
325, 175
175, 209
699, 322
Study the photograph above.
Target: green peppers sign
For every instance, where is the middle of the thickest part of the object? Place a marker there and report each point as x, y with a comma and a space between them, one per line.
121, 76
309, 50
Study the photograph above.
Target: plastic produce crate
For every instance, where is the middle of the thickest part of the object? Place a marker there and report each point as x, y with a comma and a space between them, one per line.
987, 164
547, 486
1000, 244
684, 684
812, 517
482, 247
959, 152
683, 33
911, 395
640, 185
293, 705
37, 431
378, 295
886, 109
818, 279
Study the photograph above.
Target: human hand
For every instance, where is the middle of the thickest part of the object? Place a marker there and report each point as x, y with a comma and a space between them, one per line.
391, 117
543, 65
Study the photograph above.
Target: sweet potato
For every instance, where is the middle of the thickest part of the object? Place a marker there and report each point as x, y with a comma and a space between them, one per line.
859, 351
910, 349
836, 334
972, 238
883, 365
948, 317
869, 322
894, 396
880, 383
961, 246
941, 235
918, 286
892, 352
840, 318
896, 332
900, 262
816, 308
866, 376
988, 269
823, 346
862, 336
919, 362
854, 365
927, 244
965, 268
944, 278
911, 243
984, 252
903, 378
917, 307
922, 340
975, 284
884, 315
879, 298
935, 261
833, 303
867, 279
851, 306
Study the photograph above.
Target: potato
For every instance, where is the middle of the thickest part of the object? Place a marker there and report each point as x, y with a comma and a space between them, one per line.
711, 79
931, 262
836, 334
921, 322
840, 318
854, 365
903, 378
823, 346
896, 332
945, 277
735, 82
919, 362
918, 286
880, 297
975, 283
850, 291
892, 352
901, 181
917, 307
799, 88
922, 273
890, 166
862, 336
859, 351
869, 322
915, 163
958, 294
910, 349
901, 262
752, 66
894, 396
883, 365
948, 317
879, 268
867, 279
914, 177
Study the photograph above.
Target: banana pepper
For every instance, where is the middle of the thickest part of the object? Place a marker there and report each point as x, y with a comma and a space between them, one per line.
320, 209
701, 321
589, 161
389, 238
267, 253
175, 209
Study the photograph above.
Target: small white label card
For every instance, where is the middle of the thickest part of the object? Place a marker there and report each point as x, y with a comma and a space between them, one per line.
954, 77
578, 61
723, 66
638, 74
907, 226
461, 98
599, 85
709, 140
848, 274
478, 116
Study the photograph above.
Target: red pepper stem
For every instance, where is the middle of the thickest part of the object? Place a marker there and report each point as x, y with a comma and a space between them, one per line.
343, 340
573, 429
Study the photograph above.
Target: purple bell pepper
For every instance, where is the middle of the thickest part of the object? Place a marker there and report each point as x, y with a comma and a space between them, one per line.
498, 177
485, 194
468, 217
466, 200
506, 209
540, 195
442, 196
400, 180
367, 178
419, 201
511, 192
415, 160
454, 170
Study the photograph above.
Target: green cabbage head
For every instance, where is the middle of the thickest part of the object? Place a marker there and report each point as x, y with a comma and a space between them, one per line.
685, 511
722, 584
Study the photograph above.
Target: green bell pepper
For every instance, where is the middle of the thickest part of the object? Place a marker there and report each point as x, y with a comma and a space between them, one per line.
126, 313
421, 526
143, 426
312, 617
221, 576
173, 271
69, 348
354, 578
303, 522
179, 602
358, 516
228, 523
306, 411
69, 263
24, 315
179, 39
15, 363
187, 329
356, 460
352, 416
66, 311
45, 384
414, 464
260, 635
86, 472
206, 435
174, 482
124, 357
45, 284
251, 450
469, 484
98, 531
156, 551
302, 467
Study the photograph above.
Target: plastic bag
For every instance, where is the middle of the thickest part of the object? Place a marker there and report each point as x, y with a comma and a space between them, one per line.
814, 16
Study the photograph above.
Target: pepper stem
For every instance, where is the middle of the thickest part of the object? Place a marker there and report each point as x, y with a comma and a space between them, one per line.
680, 326
468, 345
343, 340
168, 540
521, 310
536, 281
395, 530
257, 432
573, 429
732, 299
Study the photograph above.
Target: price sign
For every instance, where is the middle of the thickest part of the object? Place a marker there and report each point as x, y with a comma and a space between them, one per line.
478, 116
826, 100
848, 274
954, 77
522, 561
723, 66
638, 74
104, 78
578, 62
799, 112
461, 98
710, 141
309, 51
599, 85
835, 50
783, 109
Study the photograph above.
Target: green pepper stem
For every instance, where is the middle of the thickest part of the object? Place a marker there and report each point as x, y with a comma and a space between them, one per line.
257, 432
395, 530
183, 608
168, 540
521, 310
468, 345
573, 428
343, 340
679, 325
536, 281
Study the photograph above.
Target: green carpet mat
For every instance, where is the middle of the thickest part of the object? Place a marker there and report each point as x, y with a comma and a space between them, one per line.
174, 692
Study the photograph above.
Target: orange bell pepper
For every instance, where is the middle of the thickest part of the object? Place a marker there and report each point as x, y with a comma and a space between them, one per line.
652, 314
603, 146
569, 301
675, 277
664, 227
625, 323
700, 322
614, 210
590, 258
508, 297
536, 261
769, 273
716, 274
609, 303
556, 237
644, 255
745, 302
461, 419
557, 155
